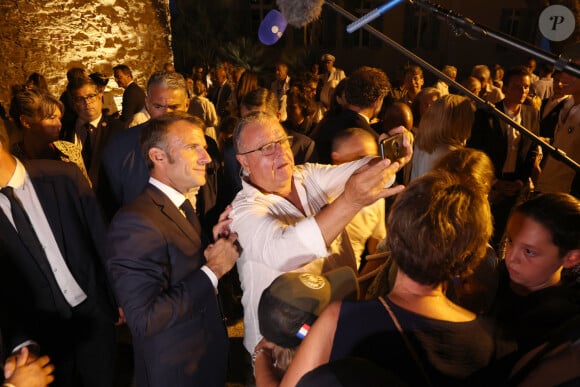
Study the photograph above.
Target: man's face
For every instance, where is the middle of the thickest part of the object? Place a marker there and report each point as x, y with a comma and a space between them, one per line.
163, 100
88, 103
328, 65
517, 89
220, 75
184, 166
532, 259
122, 79
414, 82
310, 89
570, 83
273, 173
281, 72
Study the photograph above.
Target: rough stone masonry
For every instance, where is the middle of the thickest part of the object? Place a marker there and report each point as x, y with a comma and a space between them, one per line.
51, 36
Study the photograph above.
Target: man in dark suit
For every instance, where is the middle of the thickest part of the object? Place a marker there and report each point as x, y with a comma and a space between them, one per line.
220, 92
125, 169
364, 93
133, 96
161, 273
53, 287
513, 155
92, 129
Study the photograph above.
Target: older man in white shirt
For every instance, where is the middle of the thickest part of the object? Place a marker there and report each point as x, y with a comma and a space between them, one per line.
293, 217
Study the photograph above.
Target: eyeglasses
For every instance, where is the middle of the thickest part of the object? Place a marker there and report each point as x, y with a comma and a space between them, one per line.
87, 99
270, 148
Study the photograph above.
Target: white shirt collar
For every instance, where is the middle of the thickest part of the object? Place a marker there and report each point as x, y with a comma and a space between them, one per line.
18, 177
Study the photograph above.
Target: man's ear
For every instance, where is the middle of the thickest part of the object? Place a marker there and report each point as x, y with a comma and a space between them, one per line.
157, 155
243, 162
571, 259
24, 121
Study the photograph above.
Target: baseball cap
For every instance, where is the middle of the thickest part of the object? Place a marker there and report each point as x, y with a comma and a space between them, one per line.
293, 301
272, 27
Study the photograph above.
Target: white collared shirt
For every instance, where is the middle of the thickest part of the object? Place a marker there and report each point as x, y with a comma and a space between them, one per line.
277, 237
513, 140
24, 191
177, 198
79, 128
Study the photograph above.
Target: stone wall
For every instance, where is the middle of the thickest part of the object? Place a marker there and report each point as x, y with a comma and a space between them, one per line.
51, 36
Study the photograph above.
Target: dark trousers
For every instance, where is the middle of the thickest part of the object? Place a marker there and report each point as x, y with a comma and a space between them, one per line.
82, 348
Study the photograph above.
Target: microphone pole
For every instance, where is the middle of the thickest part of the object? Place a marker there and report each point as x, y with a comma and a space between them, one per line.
465, 24
489, 107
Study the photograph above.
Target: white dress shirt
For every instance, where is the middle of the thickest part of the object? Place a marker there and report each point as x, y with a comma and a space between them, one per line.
276, 237
24, 191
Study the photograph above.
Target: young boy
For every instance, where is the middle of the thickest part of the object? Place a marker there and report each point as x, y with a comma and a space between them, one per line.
534, 299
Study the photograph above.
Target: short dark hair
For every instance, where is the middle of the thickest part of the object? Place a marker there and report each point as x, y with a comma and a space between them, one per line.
77, 83
124, 69
153, 135
261, 98
518, 71
438, 228
297, 96
75, 72
365, 85
559, 213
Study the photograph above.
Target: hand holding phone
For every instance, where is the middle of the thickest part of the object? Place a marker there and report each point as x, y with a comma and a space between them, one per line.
392, 147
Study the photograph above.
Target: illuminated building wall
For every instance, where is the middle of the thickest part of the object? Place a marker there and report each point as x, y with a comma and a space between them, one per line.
51, 36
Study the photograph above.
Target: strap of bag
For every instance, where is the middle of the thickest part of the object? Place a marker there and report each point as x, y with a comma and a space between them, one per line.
408, 344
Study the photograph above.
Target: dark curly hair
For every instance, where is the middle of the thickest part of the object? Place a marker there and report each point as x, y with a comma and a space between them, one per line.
365, 86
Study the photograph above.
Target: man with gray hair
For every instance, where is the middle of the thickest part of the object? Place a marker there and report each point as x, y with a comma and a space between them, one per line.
293, 217
122, 160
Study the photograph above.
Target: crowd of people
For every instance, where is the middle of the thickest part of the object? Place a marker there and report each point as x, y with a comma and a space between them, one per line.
209, 197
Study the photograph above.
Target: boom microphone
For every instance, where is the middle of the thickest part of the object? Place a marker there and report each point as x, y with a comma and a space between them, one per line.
374, 14
300, 12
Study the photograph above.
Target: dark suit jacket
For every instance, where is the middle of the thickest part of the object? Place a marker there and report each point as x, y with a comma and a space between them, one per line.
154, 257
221, 106
28, 288
328, 128
488, 136
133, 101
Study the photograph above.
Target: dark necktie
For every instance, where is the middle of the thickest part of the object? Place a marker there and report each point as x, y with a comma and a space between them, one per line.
32, 243
21, 221
189, 212
87, 151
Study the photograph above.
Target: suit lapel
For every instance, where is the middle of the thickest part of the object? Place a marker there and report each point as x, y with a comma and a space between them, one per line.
173, 213
48, 198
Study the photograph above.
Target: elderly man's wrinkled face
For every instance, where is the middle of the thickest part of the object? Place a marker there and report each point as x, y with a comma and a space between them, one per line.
271, 173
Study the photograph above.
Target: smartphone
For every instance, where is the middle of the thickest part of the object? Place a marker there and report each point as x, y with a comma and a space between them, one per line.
392, 147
